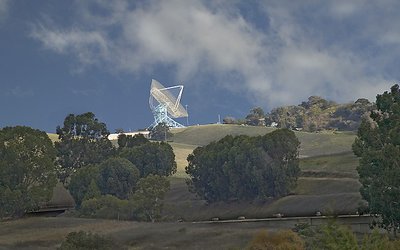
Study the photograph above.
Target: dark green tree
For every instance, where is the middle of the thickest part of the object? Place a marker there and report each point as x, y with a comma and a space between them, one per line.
27, 170
378, 146
81, 181
129, 141
149, 196
93, 191
83, 141
152, 158
245, 168
160, 132
118, 177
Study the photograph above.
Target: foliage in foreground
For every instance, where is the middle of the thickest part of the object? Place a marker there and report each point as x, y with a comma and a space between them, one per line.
87, 241
27, 170
107, 207
330, 236
278, 240
333, 236
245, 168
145, 204
378, 146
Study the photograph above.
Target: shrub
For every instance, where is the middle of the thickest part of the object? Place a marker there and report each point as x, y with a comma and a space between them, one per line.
279, 240
87, 241
377, 241
334, 236
107, 207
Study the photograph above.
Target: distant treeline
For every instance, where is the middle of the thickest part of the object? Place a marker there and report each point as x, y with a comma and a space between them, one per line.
315, 114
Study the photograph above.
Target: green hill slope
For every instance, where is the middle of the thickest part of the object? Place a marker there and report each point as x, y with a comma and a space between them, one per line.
328, 183
312, 144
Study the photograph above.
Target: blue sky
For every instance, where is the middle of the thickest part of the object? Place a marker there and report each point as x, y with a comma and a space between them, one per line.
61, 57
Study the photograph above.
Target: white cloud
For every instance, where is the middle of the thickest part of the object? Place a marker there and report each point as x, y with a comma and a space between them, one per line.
4, 6
285, 62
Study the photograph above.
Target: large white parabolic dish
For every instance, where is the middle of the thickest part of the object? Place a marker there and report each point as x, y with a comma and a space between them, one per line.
163, 96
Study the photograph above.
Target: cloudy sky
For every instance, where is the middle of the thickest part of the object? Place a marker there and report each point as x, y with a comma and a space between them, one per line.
61, 57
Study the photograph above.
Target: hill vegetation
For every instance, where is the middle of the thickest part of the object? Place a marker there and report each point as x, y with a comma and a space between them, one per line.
319, 114
315, 114
328, 178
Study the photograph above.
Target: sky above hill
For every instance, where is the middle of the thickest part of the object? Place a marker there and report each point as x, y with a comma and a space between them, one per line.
61, 57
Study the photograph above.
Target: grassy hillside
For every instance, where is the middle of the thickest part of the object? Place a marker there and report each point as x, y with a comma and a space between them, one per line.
204, 134
48, 233
329, 184
328, 181
312, 144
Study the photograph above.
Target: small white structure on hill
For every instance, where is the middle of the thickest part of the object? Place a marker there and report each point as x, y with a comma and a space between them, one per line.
115, 136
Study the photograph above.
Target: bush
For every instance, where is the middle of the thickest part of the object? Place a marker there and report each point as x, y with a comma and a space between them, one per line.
333, 236
377, 241
107, 207
87, 241
279, 240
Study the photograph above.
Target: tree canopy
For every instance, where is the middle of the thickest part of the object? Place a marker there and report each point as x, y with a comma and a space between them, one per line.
156, 158
83, 141
148, 198
129, 141
378, 146
319, 114
81, 181
118, 177
27, 169
245, 168
160, 132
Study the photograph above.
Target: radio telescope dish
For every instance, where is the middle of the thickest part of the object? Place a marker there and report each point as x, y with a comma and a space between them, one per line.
165, 105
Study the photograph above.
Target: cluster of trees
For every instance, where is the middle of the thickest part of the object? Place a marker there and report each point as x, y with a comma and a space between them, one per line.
320, 114
87, 163
103, 178
245, 168
378, 146
313, 115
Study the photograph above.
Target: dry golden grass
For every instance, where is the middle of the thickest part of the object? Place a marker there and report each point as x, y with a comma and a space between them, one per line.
47, 233
53, 137
181, 152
